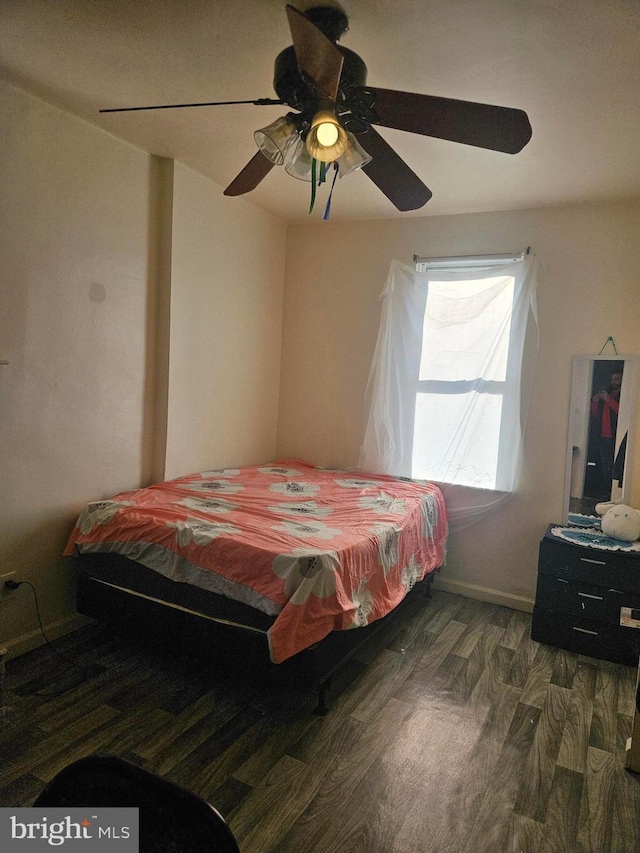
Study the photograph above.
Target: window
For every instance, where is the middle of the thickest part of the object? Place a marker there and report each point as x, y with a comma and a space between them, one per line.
445, 386
463, 375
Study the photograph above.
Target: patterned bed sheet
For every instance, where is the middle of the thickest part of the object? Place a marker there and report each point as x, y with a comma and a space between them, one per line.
319, 549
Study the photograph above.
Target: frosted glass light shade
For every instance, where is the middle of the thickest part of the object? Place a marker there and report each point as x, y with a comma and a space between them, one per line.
274, 139
354, 157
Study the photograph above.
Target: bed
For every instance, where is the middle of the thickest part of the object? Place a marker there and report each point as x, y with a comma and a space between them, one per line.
284, 567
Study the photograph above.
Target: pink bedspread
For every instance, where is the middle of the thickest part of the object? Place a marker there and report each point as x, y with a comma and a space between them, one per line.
322, 549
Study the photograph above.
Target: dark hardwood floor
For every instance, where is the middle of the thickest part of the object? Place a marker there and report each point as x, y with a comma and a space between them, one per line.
452, 732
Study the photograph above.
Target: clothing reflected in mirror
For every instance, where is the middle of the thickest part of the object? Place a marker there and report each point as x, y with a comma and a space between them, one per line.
602, 420
604, 464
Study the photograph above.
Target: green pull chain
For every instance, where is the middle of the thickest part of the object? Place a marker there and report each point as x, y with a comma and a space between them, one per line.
313, 184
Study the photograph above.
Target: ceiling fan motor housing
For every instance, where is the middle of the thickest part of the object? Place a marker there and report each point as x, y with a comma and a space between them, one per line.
330, 20
291, 87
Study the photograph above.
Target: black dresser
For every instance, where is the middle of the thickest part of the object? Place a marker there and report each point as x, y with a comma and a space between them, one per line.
588, 600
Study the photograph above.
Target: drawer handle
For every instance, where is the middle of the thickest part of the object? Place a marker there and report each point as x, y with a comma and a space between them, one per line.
596, 597
584, 631
597, 562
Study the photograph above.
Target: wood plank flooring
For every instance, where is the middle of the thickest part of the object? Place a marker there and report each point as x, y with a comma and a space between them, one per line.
451, 732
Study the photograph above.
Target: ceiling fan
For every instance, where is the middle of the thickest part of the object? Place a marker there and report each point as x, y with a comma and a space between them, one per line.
325, 83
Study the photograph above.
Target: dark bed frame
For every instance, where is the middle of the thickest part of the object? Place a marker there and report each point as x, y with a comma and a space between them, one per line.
231, 635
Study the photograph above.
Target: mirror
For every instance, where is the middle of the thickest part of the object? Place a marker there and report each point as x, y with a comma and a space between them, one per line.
602, 416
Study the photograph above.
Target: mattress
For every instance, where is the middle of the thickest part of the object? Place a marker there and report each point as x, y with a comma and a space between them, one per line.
316, 550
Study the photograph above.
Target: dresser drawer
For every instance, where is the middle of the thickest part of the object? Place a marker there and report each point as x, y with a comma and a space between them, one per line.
586, 636
611, 569
585, 600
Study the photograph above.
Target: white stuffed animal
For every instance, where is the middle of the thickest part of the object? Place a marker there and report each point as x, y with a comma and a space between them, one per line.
619, 521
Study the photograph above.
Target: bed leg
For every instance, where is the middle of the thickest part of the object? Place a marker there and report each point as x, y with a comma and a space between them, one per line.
322, 709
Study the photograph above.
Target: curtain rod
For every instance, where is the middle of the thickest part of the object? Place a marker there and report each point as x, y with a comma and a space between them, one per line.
469, 258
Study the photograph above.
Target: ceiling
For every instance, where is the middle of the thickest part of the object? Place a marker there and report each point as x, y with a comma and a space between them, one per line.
572, 65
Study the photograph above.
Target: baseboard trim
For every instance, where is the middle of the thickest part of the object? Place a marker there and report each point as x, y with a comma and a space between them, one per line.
33, 640
482, 593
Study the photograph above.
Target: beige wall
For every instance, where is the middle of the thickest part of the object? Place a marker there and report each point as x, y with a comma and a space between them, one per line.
226, 327
590, 290
84, 241
74, 243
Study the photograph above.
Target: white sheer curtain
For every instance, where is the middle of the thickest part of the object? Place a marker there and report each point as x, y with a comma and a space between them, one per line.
447, 396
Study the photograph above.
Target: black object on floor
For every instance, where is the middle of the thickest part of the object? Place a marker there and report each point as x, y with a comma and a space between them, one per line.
171, 818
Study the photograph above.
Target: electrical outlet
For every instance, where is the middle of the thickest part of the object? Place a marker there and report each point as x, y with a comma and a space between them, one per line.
4, 592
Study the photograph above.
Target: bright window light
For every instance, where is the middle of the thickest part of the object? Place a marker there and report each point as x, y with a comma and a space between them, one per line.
462, 379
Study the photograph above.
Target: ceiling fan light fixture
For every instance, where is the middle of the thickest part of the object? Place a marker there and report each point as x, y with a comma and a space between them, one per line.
353, 158
316, 77
327, 139
274, 139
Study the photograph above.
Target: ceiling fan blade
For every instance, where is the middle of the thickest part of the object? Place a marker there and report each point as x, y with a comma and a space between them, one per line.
259, 102
248, 179
482, 125
390, 173
318, 57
